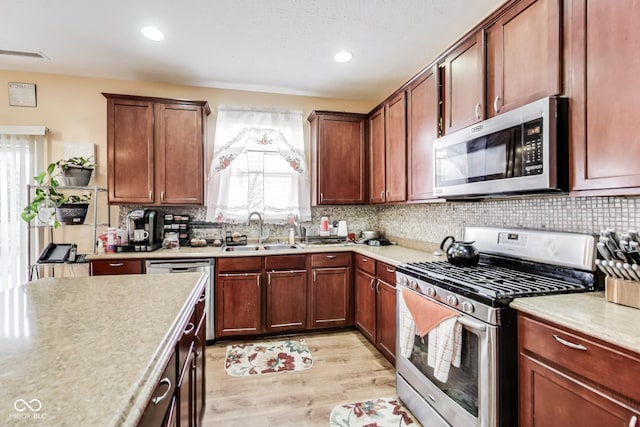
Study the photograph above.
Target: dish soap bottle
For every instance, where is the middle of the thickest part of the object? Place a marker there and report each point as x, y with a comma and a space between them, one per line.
292, 236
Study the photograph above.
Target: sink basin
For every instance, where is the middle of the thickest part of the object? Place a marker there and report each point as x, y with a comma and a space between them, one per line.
265, 247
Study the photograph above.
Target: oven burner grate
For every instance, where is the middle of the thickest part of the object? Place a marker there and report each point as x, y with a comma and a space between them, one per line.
493, 281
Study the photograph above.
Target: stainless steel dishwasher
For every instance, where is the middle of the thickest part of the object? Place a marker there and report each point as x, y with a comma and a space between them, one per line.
158, 266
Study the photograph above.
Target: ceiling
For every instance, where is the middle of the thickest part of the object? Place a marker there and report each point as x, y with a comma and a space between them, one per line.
279, 46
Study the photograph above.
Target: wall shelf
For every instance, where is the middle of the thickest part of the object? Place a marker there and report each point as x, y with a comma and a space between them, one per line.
93, 223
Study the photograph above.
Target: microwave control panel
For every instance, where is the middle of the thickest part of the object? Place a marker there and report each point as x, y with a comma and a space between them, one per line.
532, 148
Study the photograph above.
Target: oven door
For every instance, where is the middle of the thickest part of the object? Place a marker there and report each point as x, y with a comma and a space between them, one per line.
468, 397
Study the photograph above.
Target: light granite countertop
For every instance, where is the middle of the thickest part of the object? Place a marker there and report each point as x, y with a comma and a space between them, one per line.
89, 351
393, 254
589, 313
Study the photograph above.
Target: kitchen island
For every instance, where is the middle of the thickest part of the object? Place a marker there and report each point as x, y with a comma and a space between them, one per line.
90, 350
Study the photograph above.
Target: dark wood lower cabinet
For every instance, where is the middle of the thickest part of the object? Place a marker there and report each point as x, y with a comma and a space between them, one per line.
238, 304
569, 379
375, 307
386, 319
286, 300
179, 397
365, 304
331, 297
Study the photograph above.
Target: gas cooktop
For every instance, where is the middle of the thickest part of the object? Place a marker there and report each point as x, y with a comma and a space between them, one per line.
499, 282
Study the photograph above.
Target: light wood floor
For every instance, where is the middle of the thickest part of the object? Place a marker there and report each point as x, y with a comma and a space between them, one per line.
346, 368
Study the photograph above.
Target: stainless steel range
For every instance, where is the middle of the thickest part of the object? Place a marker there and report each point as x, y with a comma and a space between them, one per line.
466, 374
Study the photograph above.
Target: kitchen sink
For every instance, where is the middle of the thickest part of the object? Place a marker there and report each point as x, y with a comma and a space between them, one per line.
265, 247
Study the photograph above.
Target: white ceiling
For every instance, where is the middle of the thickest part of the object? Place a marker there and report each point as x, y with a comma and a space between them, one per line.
280, 46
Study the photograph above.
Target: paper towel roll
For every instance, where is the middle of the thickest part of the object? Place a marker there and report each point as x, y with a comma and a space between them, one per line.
342, 229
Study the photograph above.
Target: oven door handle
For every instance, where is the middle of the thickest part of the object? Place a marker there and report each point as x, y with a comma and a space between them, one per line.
472, 324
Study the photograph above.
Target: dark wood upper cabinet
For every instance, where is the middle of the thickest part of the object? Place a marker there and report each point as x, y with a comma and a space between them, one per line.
605, 99
396, 148
463, 82
422, 129
377, 156
155, 150
524, 55
338, 158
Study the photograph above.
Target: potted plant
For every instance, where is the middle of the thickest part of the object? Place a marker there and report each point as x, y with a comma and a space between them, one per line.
76, 171
50, 205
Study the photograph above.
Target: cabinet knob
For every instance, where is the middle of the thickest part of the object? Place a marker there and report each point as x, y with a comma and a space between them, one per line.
496, 104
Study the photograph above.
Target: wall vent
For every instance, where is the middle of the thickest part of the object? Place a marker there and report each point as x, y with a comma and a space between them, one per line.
38, 55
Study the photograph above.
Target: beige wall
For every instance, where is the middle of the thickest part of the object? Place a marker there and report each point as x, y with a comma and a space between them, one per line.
74, 110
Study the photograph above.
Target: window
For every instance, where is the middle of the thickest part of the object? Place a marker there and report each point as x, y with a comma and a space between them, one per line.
21, 150
258, 165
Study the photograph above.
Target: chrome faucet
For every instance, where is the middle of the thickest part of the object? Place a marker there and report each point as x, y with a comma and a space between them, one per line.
260, 236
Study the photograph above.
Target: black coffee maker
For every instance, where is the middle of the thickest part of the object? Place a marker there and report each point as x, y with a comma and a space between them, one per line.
144, 227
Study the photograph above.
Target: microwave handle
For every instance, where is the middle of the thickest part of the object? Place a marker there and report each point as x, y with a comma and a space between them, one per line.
514, 142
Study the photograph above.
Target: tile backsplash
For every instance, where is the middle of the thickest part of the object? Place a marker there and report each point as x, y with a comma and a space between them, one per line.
431, 222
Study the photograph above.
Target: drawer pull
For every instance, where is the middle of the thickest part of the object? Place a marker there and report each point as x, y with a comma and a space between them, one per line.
202, 298
371, 284
159, 399
391, 270
378, 287
116, 264
633, 421
569, 344
364, 259
189, 329
331, 256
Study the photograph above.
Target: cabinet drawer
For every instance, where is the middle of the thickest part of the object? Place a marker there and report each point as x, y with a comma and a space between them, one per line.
331, 260
253, 263
116, 266
285, 262
186, 340
161, 397
387, 273
604, 365
365, 264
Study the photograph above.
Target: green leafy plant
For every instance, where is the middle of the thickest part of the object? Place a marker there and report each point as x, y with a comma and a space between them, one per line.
48, 184
78, 162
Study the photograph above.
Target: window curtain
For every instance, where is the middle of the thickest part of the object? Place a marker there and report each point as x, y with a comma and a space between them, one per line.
258, 165
21, 156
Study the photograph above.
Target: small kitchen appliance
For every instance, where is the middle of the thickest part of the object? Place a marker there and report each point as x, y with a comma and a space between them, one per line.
145, 228
514, 263
521, 151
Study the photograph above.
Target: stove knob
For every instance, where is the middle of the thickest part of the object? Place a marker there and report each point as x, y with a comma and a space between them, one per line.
467, 307
452, 300
413, 285
403, 280
431, 291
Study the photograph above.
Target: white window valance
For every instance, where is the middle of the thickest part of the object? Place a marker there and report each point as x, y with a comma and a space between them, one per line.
258, 165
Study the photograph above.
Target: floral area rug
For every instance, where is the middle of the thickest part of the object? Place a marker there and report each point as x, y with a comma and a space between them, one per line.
382, 412
268, 357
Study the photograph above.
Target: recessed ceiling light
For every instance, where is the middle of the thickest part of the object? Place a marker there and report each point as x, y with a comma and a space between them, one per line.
152, 33
342, 56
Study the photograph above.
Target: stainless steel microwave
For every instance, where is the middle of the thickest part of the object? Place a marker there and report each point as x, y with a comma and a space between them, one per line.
521, 151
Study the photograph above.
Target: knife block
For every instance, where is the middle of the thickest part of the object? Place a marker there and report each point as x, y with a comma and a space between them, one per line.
624, 292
